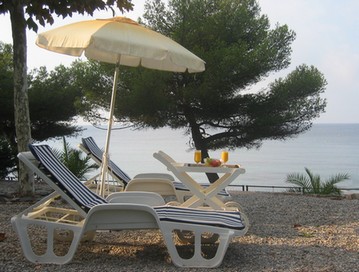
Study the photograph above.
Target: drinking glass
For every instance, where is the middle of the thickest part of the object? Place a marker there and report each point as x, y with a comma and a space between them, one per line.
224, 156
197, 156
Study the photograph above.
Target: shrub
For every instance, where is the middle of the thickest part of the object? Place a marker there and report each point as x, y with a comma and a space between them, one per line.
73, 160
7, 158
312, 184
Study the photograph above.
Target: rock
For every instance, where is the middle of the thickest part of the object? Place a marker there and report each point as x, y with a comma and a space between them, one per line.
352, 196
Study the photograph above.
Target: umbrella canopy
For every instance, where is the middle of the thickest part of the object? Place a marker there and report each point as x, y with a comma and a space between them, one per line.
120, 41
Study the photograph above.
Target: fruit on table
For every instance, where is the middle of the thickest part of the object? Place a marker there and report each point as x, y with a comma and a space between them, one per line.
212, 162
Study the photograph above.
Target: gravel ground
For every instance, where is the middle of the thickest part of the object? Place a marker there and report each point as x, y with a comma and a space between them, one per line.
288, 233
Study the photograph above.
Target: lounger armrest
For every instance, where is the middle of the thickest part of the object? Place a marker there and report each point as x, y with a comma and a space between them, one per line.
121, 216
146, 198
155, 175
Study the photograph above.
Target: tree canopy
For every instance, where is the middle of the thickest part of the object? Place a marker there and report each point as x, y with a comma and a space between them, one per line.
25, 14
219, 107
42, 11
52, 98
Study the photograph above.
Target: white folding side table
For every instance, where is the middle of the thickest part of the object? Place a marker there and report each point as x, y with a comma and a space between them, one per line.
201, 195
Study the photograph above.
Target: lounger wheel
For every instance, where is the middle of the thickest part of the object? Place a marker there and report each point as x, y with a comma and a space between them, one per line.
233, 204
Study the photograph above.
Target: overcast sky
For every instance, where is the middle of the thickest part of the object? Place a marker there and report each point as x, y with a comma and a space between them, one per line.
327, 37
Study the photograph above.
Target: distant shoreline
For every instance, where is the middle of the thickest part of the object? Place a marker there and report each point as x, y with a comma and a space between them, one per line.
349, 194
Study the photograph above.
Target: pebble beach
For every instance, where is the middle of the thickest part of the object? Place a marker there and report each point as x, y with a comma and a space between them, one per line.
288, 232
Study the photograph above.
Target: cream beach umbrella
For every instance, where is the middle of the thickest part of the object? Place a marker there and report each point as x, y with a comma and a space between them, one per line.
120, 41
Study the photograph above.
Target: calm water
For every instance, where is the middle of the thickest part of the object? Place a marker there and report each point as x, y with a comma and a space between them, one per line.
326, 149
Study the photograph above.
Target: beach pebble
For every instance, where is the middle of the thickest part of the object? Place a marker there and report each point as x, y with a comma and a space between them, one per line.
288, 233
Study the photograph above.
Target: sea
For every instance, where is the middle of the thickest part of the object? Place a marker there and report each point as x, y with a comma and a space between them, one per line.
326, 150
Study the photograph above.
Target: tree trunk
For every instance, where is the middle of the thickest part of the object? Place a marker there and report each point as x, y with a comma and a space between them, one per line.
21, 102
200, 144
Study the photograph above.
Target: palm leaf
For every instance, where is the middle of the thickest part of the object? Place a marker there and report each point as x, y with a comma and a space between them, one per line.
299, 180
338, 178
329, 186
312, 183
72, 159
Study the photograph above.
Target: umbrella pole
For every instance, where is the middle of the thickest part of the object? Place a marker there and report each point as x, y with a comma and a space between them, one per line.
105, 157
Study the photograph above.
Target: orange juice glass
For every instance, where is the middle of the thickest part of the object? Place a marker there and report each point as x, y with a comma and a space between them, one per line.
197, 156
224, 156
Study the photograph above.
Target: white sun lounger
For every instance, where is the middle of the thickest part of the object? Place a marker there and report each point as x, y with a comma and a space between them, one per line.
163, 183
91, 212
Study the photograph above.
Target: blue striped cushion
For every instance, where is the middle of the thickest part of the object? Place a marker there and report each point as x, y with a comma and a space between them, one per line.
224, 219
65, 179
91, 145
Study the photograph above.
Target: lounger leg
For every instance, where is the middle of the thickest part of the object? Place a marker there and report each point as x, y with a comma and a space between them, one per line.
21, 226
197, 260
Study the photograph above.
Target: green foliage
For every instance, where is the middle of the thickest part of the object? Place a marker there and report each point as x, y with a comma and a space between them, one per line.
23, 15
94, 81
73, 160
7, 158
43, 10
48, 92
217, 107
312, 184
52, 99
7, 125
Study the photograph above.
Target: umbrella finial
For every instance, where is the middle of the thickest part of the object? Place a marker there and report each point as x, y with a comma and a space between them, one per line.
120, 19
